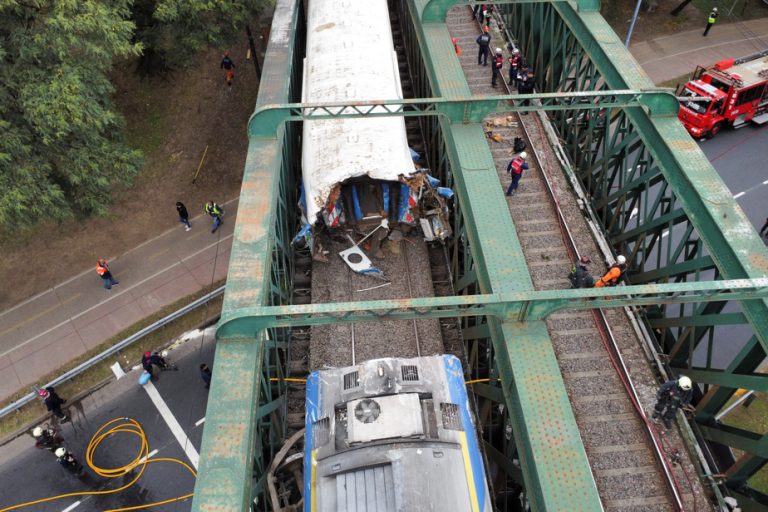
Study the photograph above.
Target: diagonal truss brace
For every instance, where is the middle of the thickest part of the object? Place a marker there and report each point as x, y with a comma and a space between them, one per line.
266, 119
517, 306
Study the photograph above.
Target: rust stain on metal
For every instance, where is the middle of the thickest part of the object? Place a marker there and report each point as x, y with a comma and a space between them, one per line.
227, 441
758, 260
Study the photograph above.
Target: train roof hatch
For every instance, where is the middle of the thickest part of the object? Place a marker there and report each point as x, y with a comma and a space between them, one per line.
384, 417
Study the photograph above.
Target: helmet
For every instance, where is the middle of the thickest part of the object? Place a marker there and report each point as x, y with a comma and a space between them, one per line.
584, 260
486, 28
684, 383
453, 40
147, 354
43, 392
37, 431
60, 452
621, 259
714, 9
164, 353
498, 50
523, 155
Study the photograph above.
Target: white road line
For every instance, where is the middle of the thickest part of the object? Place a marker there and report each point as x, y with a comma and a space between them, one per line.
113, 297
200, 422
71, 507
149, 456
736, 196
170, 420
765, 182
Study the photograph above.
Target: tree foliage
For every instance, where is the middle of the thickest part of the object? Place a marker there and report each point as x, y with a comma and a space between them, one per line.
172, 31
61, 152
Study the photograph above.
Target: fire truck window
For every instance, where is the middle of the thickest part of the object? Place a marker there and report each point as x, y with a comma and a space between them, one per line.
718, 106
720, 85
749, 95
700, 107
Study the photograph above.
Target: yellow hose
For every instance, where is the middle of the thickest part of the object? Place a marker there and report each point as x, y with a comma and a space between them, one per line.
122, 426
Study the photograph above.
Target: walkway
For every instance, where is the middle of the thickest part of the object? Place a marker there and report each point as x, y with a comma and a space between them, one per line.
668, 57
45, 332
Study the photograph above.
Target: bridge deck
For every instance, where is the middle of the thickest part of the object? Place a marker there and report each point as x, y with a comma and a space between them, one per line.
628, 475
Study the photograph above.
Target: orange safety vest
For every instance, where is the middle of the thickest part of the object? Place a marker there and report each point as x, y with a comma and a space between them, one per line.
101, 269
458, 50
610, 278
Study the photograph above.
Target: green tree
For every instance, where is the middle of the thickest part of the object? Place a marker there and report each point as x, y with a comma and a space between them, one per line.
173, 31
61, 152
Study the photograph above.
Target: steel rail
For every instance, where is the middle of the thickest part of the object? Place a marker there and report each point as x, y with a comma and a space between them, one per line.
77, 370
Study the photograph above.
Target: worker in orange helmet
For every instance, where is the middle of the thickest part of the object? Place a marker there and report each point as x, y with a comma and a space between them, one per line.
484, 47
611, 278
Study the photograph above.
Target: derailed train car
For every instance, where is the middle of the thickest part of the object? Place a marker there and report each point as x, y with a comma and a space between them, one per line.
359, 173
392, 434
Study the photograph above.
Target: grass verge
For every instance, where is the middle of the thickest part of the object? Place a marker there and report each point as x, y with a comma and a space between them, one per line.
753, 418
127, 358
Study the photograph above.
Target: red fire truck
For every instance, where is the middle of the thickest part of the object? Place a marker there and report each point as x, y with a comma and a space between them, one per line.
733, 92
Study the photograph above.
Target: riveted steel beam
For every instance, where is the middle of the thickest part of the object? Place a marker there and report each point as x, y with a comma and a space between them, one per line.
511, 306
265, 121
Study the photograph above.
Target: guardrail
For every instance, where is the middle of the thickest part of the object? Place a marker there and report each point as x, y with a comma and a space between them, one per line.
114, 349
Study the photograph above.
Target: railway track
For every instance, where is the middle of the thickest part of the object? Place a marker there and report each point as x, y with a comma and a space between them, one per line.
603, 365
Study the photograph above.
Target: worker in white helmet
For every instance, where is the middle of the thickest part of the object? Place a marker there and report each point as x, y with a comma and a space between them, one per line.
497, 64
672, 395
516, 167
612, 277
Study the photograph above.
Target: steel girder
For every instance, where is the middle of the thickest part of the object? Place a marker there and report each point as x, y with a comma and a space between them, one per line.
654, 193
245, 419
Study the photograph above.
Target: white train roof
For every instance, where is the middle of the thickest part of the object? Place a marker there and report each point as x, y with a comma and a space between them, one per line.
350, 57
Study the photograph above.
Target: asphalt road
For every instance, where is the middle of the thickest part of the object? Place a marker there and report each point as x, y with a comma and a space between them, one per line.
27, 473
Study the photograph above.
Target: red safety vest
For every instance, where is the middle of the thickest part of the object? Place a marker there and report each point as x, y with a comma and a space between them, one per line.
498, 62
517, 165
101, 269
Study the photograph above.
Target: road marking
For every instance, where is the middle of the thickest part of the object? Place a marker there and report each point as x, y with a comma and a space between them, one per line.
84, 272
200, 421
116, 295
38, 315
158, 254
71, 507
736, 196
148, 456
694, 50
170, 420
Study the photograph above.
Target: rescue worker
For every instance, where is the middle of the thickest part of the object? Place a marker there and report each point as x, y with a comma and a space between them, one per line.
102, 268
516, 167
46, 438
487, 14
525, 83
580, 276
672, 395
68, 461
456, 47
229, 68
215, 211
149, 359
484, 47
53, 402
713, 14
514, 66
765, 227
611, 278
206, 375
498, 63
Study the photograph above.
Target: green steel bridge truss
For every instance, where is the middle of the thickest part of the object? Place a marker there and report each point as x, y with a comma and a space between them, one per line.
697, 265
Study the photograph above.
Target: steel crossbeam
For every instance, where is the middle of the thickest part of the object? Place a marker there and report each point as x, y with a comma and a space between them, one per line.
659, 102
514, 306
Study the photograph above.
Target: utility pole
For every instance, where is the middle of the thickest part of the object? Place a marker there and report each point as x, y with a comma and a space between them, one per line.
632, 23
253, 51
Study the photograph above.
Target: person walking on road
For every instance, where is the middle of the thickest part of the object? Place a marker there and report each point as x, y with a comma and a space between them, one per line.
102, 268
516, 167
215, 211
498, 63
764, 228
53, 402
483, 47
183, 215
711, 19
456, 47
611, 278
229, 68
205, 374
672, 395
